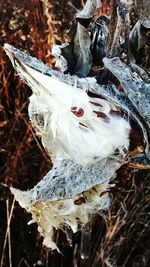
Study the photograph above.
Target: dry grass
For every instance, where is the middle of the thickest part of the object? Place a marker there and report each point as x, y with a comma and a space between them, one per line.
120, 237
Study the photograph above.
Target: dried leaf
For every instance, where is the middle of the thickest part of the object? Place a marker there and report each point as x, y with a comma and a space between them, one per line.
82, 52
89, 9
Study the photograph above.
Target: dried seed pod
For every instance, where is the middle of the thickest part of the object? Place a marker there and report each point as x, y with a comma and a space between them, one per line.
84, 126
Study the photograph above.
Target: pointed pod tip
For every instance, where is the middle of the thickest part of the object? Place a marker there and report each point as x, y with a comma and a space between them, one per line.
23, 197
7, 47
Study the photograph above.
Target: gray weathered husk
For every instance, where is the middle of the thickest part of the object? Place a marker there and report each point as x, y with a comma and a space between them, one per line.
68, 179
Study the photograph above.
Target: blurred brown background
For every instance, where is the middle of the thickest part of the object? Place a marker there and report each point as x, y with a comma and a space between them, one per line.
121, 236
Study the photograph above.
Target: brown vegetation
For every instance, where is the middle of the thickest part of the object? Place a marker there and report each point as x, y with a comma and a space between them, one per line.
120, 236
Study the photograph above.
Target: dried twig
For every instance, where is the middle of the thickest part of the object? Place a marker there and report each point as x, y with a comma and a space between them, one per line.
7, 234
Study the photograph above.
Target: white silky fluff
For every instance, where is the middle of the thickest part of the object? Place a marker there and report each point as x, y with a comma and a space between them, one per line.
66, 136
52, 215
62, 132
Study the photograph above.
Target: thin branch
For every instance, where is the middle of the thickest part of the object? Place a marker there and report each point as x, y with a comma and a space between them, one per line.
7, 231
112, 25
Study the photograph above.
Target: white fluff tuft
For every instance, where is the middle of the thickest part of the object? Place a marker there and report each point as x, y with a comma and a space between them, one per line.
52, 215
65, 135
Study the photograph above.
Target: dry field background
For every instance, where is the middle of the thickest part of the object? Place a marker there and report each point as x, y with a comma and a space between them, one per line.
120, 236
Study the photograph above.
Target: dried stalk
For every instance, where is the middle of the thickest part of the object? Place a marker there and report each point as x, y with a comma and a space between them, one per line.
113, 22
7, 234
